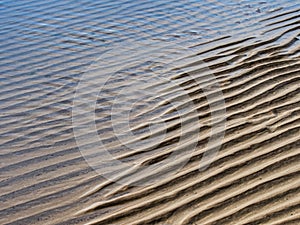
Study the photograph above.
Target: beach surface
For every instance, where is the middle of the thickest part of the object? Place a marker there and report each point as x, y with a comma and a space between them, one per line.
150, 112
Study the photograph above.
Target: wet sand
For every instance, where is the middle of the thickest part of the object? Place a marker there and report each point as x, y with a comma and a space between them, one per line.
249, 51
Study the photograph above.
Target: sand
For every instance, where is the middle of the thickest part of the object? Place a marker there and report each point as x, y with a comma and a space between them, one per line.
208, 89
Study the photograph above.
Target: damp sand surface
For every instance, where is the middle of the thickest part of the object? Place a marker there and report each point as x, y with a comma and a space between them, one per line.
228, 66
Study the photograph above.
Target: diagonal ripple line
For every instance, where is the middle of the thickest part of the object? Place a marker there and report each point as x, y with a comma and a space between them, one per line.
100, 84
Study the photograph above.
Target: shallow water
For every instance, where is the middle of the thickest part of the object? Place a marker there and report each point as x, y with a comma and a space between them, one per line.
142, 112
